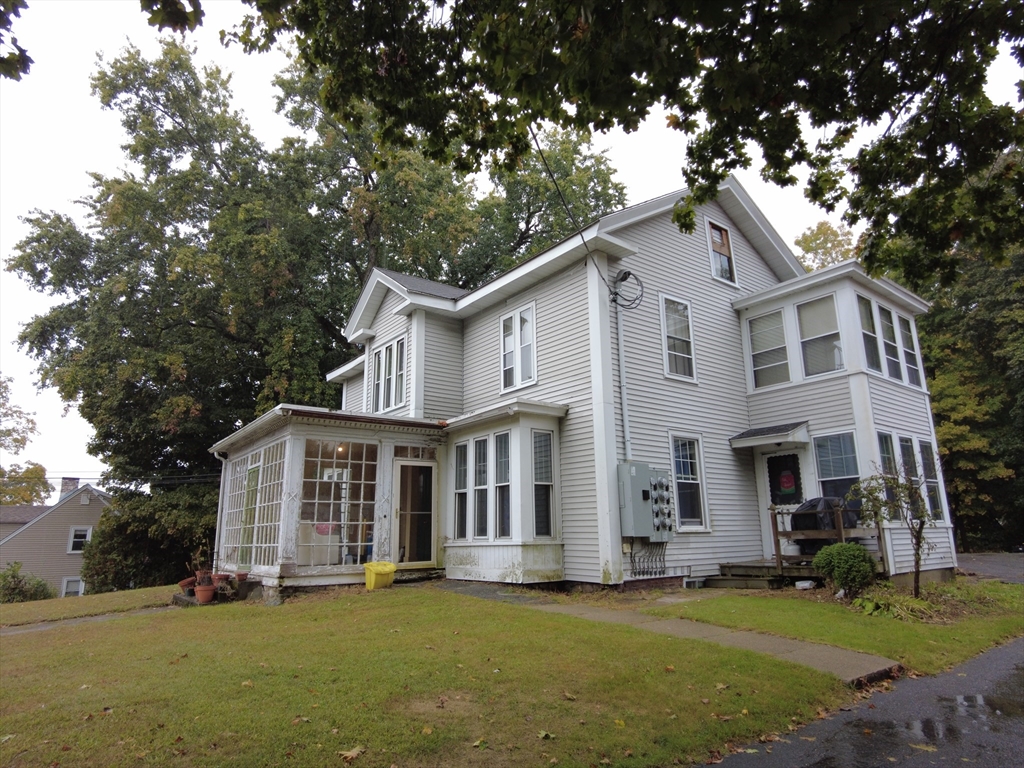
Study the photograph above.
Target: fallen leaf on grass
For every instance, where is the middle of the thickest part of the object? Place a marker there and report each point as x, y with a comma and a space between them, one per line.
334, 731
670, 668
480, 744
620, 723
247, 684
351, 754
5, 739
705, 701
545, 735
300, 719
627, 753
924, 747
605, 761
84, 687
568, 696
714, 758
721, 686
427, 730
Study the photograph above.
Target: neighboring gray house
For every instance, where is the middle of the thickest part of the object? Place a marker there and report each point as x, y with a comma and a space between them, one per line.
49, 544
496, 433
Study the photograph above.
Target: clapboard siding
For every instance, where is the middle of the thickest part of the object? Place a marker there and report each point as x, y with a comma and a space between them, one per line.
900, 408
563, 376
715, 406
387, 326
42, 545
442, 377
826, 404
937, 553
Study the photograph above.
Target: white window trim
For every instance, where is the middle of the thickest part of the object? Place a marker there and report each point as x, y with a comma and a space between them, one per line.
487, 487
900, 350
749, 351
702, 475
662, 298
507, 484
397, 395
876, 335
71, 537
858, 452
467, 491
843, 369
64, 585
735, 282
534, 483
915, 351
518, 382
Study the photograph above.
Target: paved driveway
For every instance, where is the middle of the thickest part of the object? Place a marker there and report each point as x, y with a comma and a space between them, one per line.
1006, 566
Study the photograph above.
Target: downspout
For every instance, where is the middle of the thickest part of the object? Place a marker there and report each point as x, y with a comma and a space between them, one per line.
623, 389
222, 457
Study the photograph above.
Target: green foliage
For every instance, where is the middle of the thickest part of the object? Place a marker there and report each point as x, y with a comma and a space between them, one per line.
16, 587
145, 540
895, 605
972, 342
824, 245
19, 484
16, 62
794, 80
849, 567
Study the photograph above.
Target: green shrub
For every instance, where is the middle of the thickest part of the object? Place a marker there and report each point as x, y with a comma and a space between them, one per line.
18, 588
848, 567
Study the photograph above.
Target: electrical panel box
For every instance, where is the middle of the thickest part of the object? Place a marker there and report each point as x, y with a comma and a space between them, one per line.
645, 502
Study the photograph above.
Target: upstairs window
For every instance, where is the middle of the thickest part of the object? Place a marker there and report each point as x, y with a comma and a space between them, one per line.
722, 265
768, 350
910, 353
77, 538
867, 327
892, 352
389, 376
675, 323
518, 351
819, 336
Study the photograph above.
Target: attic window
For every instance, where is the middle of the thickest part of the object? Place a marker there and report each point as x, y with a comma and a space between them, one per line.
84, 498
721, 253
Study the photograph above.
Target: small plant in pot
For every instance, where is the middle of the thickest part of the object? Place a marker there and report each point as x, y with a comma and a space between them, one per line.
204, 586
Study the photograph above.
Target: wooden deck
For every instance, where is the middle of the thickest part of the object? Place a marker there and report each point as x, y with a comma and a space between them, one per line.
760, 574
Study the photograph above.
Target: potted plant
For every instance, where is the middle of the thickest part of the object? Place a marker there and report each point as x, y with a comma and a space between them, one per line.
204, 586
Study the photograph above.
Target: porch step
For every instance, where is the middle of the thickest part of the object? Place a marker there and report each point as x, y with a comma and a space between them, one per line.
735, 582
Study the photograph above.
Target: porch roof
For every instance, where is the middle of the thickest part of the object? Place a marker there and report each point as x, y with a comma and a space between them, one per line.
793, 433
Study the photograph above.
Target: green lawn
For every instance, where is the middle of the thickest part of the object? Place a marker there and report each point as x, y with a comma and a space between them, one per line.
414, 675
13, 614
996, 614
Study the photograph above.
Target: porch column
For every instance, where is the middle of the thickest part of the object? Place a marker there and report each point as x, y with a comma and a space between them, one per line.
385, 507
291, 503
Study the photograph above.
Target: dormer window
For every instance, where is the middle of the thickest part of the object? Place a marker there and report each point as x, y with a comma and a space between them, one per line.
722, 265
389, 376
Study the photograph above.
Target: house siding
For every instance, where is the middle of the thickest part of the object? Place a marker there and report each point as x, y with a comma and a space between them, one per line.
41, 547
937, 552
715, 406
900, 408
826, 404
563, 376
442, 377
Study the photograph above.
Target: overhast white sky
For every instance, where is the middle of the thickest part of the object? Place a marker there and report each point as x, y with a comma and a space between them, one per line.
53, 133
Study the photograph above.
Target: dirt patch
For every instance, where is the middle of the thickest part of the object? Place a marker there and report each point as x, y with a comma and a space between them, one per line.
446, 707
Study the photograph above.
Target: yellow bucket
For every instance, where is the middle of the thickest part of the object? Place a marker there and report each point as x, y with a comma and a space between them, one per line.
379, 575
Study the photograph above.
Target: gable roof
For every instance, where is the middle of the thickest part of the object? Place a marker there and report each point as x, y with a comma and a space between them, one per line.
103, 496
417, 293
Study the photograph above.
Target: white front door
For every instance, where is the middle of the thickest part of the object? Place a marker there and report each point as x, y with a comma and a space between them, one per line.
415, 520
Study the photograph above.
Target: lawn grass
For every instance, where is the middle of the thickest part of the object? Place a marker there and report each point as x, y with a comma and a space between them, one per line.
415, 675
996, 614
14, 614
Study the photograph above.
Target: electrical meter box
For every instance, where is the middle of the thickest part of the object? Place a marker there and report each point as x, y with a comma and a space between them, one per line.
645, 502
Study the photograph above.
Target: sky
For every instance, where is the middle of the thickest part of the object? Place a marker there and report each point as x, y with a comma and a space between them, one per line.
53, 133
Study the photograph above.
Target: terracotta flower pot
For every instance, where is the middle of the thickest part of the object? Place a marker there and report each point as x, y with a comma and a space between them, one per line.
205, 593
221, 578
186, 584
242, 576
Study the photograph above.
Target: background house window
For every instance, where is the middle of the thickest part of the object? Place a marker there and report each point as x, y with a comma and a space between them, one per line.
389, 376
687, 471
819, 336
931, 479
892, 352
675, 322
518, 362
461, 489
543, 483
71, 587
480, 488
768, 350
867, 326
721, 254
77, 538
502, 489
909, 353
837, 464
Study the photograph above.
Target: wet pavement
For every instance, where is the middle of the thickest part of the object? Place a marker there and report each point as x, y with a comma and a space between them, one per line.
972, 715
1005, 566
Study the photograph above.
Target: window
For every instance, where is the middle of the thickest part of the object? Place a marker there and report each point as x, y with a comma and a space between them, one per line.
892, 352
837, 464
931, 479
687, 473
389, 376
819, 336
721, 253
77, 538
518, 361
71, 587
502, 489
480, 488
675, 323
461, 489
768, 350
867, 326
543, 483
909, 353
886, 453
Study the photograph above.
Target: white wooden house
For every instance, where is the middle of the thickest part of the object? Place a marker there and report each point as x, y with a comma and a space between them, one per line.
496, 433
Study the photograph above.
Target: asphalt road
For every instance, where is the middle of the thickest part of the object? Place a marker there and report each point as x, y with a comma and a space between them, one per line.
1006, 566
973, 715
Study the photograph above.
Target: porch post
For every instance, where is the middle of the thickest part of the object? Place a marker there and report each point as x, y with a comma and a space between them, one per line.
385, 508
291, 502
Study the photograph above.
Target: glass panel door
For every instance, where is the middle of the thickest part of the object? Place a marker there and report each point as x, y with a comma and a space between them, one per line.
415, 513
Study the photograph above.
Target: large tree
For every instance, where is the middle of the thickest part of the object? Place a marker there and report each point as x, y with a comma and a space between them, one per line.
214, 279
19, 484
